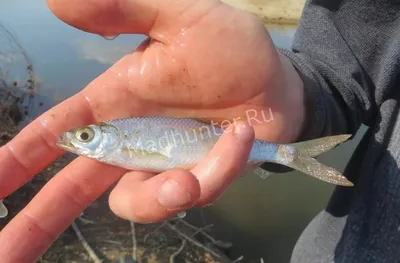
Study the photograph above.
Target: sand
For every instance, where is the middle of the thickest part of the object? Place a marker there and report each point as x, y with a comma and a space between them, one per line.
272, 12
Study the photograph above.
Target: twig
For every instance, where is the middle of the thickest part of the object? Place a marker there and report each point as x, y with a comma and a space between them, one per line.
85, 244
203, 216
14, 39
86, 221
134, 242
201, 230
172, 257
112, 242
238, 259
154, 231
191, 240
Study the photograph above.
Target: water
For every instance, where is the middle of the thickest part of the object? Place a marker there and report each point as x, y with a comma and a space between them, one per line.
65, 59
263, 219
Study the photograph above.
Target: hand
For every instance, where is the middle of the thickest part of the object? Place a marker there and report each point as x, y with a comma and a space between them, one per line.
205, 60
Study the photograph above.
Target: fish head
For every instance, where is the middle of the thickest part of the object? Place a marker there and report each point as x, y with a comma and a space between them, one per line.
93, 141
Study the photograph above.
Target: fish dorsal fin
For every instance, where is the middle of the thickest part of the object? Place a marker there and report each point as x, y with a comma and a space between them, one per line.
220, 122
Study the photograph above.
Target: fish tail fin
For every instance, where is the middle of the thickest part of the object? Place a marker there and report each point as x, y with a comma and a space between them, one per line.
313, 148
302, 158
3, 210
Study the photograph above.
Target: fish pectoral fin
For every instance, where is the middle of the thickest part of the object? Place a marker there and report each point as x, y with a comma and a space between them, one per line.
312, 167
131, 153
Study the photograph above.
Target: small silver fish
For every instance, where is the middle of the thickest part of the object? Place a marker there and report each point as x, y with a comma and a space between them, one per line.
156, 144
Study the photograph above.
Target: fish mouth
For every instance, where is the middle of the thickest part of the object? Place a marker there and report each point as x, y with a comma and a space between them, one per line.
65, 144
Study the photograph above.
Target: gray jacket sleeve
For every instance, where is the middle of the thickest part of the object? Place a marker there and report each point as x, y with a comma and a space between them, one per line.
347, 54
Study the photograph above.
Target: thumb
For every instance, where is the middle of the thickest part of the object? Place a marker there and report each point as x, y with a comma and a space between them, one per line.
155, 18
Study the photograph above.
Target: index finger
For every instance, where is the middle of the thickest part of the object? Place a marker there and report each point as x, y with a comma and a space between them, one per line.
35, 146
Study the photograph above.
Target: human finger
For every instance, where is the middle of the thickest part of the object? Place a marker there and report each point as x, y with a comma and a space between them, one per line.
139, 198
145, 198
29, 234
34, 147
225, 162
158, 19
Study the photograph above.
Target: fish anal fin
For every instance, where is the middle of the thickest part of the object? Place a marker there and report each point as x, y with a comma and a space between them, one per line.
263, 174
255, 168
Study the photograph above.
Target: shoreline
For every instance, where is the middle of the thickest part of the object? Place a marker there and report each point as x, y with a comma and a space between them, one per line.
282, 13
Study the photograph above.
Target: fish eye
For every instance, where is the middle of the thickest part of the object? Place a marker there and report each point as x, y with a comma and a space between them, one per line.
85, 135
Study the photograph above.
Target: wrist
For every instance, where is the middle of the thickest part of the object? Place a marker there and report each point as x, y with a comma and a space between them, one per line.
295, 100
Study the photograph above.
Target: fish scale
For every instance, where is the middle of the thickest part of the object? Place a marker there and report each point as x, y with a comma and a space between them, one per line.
183, 142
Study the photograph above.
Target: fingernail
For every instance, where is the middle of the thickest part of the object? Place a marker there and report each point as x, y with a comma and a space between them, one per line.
173, 196
243, 131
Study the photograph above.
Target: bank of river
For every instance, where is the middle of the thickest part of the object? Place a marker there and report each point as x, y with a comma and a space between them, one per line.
284, 13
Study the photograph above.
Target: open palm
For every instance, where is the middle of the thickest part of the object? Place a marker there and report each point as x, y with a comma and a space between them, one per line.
203, 59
